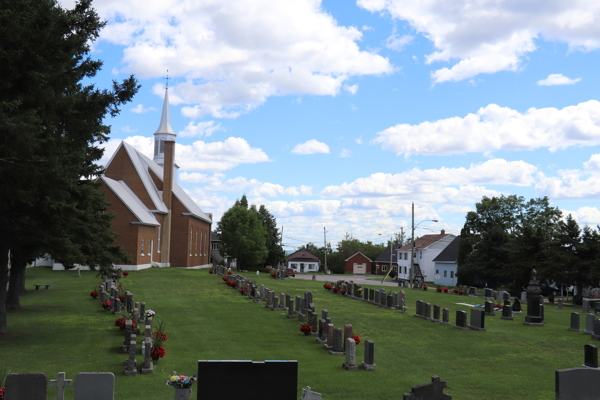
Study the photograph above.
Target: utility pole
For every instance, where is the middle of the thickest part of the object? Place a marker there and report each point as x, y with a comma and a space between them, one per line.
401, 236
281, 262
325, 243
412, 250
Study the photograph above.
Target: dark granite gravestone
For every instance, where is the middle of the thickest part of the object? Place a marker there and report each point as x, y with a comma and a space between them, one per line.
507, 313
30, 386
427, 311
429, 391
446, 317
472, 291
577, 384
337, 348
461, 320
95, 386
589, 324
487, 293
419, 309
371, 295
489, 309
366, 294
596, 335
322, 339
390, 302
590, 356
534, 298
477, 320
247, 373
369, 362
436, 313
575, 324
377, 297
516, 307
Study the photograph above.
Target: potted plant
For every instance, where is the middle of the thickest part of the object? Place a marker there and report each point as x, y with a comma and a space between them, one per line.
305, 324
106, 304
210, 271
229, 272
445, 290
343, 292
336, 290
125, 273
425, 288
438, 289
94, 294
356, 339
182, 385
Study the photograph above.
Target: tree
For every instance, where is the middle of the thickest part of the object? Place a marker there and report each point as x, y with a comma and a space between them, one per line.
275, 254
50, 128
242, 236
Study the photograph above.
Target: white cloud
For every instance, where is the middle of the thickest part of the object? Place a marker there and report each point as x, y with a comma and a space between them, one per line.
498, 128
359, 140
230, 60
593, 163
489, 36
367, 28
557, 79
128, 129
433, 185
397, 43
311, 147
205, 128
351, 89
585, 215
196, 177
345, 153
455, 209
140, 109
198, 156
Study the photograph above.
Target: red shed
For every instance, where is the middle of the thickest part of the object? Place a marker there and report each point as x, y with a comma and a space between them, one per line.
358, 264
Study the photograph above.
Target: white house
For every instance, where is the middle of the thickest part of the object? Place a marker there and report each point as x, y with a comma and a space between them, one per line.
446, 264
427, 247
303, 261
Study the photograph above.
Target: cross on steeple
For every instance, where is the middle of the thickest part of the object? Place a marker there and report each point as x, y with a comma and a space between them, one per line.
167, 78
60, 384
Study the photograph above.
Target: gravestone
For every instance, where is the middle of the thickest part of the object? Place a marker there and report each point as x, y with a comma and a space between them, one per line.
461, 320
337, 342
542, 311
329, 344
390, 302
328, 320
472, 291
577, 383
60, 383
290, 305
394, 299
427, 314
377, 295
419, 309
130, 363
487, 293
589, 324
95, 386
282, 301
102, 296
128, 332
308, 394
308, 296
350, 347
429, 391
477, 320
523, 297
590, 356
298, 305
371, 295
489, 309
142, 311
575, 325
324, 314
507, 313
382, 298
369, 362
269, 299
516, 307
596, 335
347, 333
148, 366
446, 317
436, 313
275, 305
534, 311
129, 297
504, 295
322, 339
366, 294
313, 319
560, 305
262, 291
30, 386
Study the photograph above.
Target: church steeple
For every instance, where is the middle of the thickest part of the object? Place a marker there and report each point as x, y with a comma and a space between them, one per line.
164, 132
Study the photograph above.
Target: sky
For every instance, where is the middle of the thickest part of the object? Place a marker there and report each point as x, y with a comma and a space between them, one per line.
341, 115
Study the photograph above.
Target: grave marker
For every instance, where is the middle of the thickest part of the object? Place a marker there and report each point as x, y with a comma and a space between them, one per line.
308, 394
446, 317
60, 383
575, 325
429, 391
347, 333
337, 342
350, 347
30, 386
369, 362
507, 313
95, 386
436, 313
477, 320
461, 320
589, 324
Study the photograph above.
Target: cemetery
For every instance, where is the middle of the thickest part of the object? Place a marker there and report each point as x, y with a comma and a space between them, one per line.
362, 343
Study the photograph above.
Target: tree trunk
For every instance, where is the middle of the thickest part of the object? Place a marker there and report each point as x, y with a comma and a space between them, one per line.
4, 247
17, 277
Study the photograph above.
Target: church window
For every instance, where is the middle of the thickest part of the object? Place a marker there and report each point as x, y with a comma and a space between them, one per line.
196, 252
158, 240
155, 147
205, 243
215, 246
150, 247
191, 236
142, 253
162, 147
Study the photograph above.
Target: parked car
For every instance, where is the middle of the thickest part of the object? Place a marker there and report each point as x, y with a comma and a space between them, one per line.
268, 267
291, 272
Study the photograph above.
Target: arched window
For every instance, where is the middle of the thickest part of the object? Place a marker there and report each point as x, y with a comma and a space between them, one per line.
191, 237
142, 252
155, 147
196, 252
158, 240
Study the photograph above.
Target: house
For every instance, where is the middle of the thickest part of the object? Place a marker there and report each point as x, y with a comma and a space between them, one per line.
358, 264
382, 262
215, 245
303, 261
157, 222
446, 264
427, 247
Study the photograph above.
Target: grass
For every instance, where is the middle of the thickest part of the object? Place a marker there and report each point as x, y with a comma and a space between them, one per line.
63, 329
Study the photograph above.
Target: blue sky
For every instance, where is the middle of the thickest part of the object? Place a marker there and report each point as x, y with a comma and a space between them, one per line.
342, 114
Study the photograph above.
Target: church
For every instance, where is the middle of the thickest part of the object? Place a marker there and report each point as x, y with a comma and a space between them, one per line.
157, 223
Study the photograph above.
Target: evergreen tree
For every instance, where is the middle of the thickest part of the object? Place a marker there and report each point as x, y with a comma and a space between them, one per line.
275, 254
50, 126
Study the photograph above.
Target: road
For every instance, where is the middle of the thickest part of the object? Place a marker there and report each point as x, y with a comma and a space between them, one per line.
360, 279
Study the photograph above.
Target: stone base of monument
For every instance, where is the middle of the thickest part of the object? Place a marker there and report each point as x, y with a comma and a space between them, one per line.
326, 347
596, 337
490, 314
274, 309
461, 327
575, 330
148, 370
292, 316
533, 323
256, 300
391, 308
336, 353
507, 318
349, 367
321, 341
368, 367
314, 333
475, 328
435, 320
445, 323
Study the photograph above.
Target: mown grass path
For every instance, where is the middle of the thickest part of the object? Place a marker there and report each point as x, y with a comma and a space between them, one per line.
63, 329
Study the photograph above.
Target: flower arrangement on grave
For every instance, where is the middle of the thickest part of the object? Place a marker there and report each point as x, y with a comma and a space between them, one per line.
3, 375
157, 352
306, 329
225, 278
342, 291
180, 381
118, 275
244, 290
285, 275
229, 272
356, 338
210, 271
438, 289
306, 323
120, 323
445, 290
106, 304
425, 288
351, 281
149, 313
327, 286
94, 294
122, 298
461, 292
274, 275
455, 291
336, 290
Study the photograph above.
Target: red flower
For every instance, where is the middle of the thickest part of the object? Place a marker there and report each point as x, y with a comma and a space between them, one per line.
120, 322
106, 304
445, 290
225, 278
273, 274
335, 290
94, 294
122, 298
342, 291
424, 287
210, 272
125, 273
439, 289
161, 336
356, 338
118, 276
229, 272
1, 393
306, 329
286, 275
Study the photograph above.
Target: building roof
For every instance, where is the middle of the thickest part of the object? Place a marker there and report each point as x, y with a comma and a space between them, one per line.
358, 252
385, 256
214, 237
424, 241
303, 255
131, 201
450, 253
165, 117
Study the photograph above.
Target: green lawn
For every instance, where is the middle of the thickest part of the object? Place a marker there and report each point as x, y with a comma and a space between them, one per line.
63, 329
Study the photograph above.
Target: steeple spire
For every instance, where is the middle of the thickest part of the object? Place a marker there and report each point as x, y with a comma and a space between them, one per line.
165, 118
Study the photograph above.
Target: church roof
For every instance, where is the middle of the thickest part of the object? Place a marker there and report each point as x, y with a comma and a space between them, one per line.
131, 201
182, 196
165, 117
